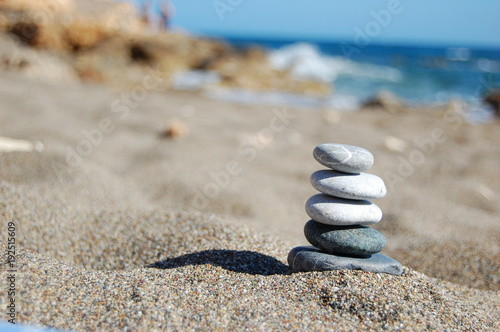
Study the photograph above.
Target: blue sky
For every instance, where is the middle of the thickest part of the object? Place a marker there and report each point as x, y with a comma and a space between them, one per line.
427, 22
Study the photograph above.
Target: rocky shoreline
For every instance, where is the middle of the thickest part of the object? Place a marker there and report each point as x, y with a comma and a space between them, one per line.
114, 47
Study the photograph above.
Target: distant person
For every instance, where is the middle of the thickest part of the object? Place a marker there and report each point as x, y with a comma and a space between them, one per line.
146, 5
166, 12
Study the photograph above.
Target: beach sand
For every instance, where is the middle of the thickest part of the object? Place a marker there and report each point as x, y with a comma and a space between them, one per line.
138, 231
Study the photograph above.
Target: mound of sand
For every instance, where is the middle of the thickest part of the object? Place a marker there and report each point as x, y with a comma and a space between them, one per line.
155, 270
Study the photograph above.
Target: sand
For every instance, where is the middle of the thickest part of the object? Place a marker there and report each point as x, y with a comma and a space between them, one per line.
144, 232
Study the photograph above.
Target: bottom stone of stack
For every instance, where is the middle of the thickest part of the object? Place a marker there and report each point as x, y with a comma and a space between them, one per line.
305, 259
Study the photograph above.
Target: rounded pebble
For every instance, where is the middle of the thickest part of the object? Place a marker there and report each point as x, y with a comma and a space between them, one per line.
306, 259
343, 158
340, 240
342, 212
351, 186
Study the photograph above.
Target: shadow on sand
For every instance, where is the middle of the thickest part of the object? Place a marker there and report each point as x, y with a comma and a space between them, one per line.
249, 262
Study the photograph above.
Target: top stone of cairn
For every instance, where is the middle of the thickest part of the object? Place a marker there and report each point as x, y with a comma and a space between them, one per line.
343, 158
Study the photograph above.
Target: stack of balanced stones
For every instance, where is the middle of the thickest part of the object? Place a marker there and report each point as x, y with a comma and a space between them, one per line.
339, 214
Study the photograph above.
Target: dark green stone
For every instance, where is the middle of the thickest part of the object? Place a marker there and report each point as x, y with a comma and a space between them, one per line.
354, 240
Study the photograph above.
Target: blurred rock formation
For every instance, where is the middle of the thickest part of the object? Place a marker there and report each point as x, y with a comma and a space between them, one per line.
493, 99
107, 42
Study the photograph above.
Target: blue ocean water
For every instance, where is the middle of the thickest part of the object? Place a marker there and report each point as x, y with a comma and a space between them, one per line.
421, 75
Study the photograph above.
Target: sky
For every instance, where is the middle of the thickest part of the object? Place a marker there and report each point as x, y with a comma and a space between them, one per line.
398, 22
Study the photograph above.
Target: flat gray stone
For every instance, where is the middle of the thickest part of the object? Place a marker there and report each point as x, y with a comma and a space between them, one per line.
350, 186
305, 259
346, 241
343, 158
342, 212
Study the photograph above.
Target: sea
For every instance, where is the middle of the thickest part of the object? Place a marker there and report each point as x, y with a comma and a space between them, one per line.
420, 76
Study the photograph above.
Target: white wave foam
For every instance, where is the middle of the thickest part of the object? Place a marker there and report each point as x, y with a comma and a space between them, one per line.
266, 98
195, 79
306, 62
342, 102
